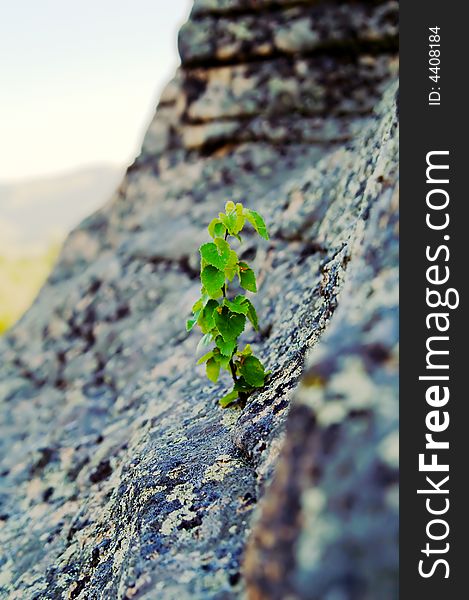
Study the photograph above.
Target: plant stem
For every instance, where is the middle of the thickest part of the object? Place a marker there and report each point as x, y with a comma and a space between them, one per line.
225, 291
224, 287
233, 372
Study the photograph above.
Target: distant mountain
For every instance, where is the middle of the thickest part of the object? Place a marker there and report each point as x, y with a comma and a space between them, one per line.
37, 211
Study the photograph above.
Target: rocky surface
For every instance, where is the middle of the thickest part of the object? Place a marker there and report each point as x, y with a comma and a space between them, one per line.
332, 508
120, 476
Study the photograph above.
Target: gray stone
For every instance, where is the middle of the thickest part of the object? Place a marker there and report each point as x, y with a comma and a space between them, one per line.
301, 29
120, 476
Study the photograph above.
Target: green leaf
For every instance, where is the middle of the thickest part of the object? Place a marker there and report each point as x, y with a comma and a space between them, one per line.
228, 399
223, 246
246, 351
212, 369
234, 218
230, 325
240, 219
205, 357
201, 302
213, 280
253, 371
239, 305
242, 386
226, 347
215, 254
231, 268
206, 319
204, 341
252, 314
198, 306
192, 321
229, 221
247, 278
216, 228
257, 222
224, 361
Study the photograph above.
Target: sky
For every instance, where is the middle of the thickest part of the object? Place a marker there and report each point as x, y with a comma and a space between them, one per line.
79, 81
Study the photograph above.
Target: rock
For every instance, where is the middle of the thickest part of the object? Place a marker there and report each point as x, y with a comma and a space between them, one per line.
334, 531
120, 475
220, 7
301, 29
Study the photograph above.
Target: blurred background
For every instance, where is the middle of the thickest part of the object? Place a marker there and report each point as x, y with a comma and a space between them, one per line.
78, 86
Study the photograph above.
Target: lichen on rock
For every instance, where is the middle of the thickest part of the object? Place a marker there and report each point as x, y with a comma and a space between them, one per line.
120, 475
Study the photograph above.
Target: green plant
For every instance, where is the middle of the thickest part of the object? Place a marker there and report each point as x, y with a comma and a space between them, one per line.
222, 319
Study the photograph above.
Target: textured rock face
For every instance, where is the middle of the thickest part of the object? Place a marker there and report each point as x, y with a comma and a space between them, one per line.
120, 475
337, 476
